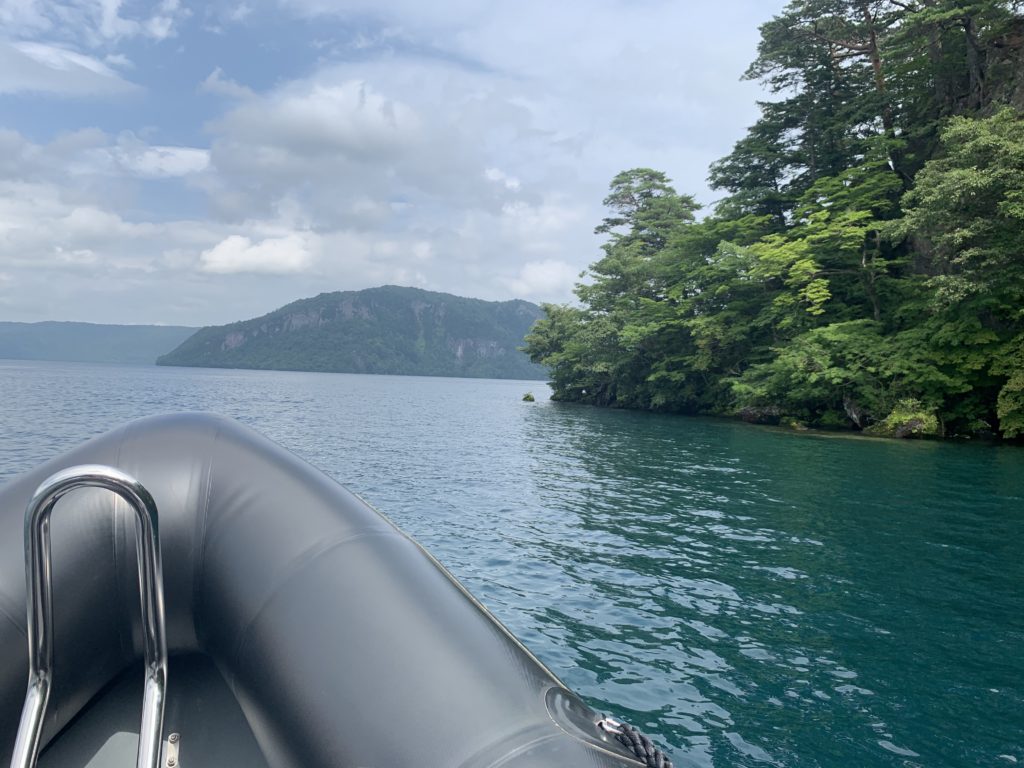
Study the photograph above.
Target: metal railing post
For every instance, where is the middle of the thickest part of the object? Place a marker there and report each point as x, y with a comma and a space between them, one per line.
40, 607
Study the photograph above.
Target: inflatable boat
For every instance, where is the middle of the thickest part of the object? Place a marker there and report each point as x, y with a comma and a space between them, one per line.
273, 618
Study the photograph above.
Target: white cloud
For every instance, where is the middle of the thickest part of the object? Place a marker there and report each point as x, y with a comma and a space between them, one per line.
40, 229
91, 23
550, 279
312, 118
349, 149
620, 85
479, 132
84, 256
44, 68
88, 224
23, 16
157, 161
220, 15
159, 27
541, 226
62, 59
119, 60
500, 177
273, 255
67, 258
240, 12
463, 147
92, 159
403, 168
111, 25
215, 82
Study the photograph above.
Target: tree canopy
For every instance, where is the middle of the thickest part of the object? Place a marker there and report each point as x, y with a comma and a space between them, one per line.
867, 259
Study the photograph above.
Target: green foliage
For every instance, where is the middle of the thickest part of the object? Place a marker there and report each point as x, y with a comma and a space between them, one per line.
966, 212
574, 347
1009, 363
866, 265
841, 371
909, 418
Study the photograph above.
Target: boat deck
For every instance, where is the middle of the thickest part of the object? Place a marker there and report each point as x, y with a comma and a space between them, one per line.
200, 708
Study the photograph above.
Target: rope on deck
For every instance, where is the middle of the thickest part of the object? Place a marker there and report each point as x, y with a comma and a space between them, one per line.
641, 746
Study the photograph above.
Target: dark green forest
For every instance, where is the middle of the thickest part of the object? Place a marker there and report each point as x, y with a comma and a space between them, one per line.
385, 330
865, 266
88, 342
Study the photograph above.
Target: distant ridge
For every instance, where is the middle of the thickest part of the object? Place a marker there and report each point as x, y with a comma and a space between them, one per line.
89, 342
387, 330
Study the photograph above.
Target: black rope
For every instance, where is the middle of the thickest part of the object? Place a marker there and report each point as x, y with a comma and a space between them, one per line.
641, 746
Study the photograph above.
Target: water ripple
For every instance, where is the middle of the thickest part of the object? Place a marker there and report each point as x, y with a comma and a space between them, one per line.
748, 596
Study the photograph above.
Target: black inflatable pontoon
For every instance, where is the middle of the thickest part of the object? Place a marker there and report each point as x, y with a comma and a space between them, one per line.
304, 630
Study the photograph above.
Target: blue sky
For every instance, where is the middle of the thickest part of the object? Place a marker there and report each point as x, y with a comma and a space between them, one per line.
198, 163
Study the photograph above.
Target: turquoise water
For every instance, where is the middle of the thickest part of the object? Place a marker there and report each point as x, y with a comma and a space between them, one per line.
746, 596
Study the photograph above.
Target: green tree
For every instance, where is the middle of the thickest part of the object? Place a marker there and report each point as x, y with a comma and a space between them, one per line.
645, 214
965, 218
626, 286
866, 264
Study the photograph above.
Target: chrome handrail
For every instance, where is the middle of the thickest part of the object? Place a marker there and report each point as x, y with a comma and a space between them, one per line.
40, 607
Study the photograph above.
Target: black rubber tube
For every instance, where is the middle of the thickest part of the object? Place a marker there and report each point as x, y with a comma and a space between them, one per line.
345, 643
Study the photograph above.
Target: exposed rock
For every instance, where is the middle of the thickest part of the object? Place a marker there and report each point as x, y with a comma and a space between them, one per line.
233, 340
853, 411
767, 414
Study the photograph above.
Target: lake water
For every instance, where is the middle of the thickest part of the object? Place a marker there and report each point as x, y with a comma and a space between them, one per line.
746, 596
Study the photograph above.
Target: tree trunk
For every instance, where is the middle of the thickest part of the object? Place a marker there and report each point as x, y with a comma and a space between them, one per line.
868, 265
876, 67
975, 65
888, 121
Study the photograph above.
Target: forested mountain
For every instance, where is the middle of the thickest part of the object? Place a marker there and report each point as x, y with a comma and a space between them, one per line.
89, 342
866, 265
378, 330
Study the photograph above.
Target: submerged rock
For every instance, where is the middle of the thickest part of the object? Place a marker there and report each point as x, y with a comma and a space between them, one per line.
756, 414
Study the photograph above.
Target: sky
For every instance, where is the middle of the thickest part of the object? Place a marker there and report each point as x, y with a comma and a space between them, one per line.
196, 163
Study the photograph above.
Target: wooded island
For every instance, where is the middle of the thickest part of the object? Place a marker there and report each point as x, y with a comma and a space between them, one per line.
866, 266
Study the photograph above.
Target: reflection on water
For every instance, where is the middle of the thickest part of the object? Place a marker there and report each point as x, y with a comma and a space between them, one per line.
800, 600
746, 596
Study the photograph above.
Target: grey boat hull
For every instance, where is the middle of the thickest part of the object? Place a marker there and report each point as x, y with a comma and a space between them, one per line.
305, 630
